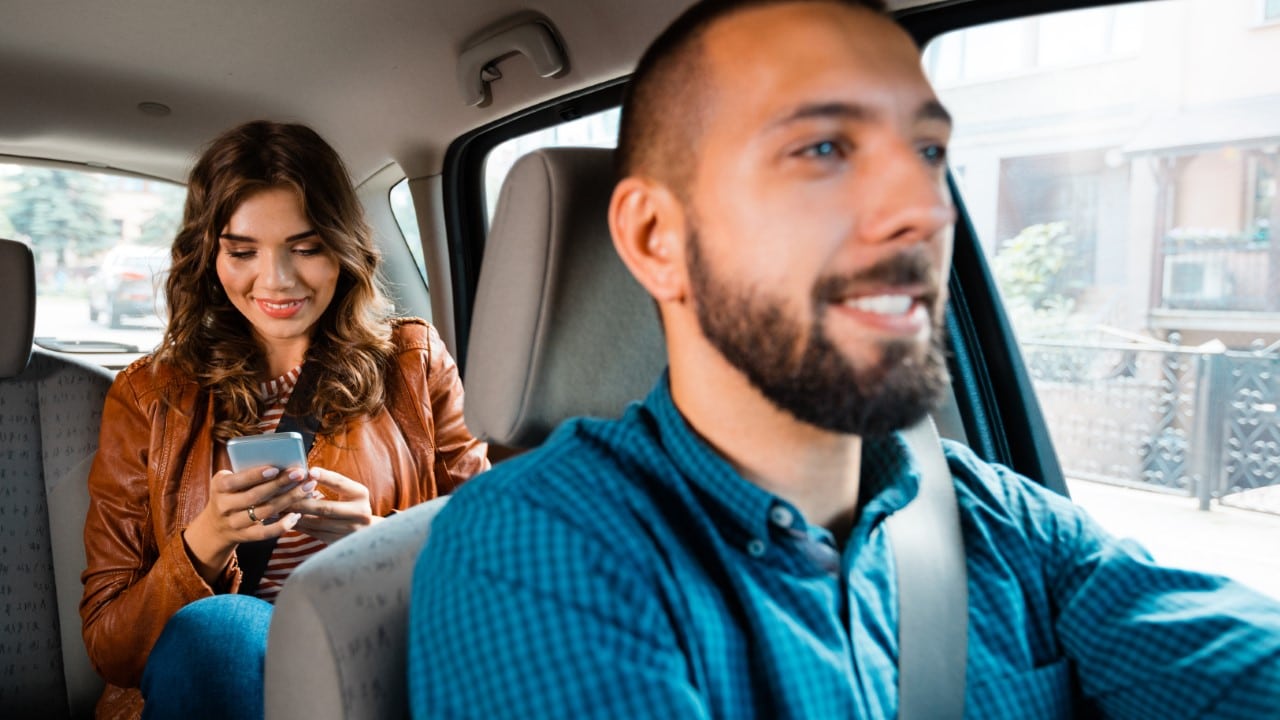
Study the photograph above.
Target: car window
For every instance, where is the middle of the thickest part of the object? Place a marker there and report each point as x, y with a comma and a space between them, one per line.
594, 130
1119, 166
407, 219
101, 244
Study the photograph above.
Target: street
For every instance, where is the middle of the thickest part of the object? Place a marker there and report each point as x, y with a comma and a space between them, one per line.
67, 318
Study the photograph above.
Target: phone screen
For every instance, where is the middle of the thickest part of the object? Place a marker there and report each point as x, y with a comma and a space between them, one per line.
283, 450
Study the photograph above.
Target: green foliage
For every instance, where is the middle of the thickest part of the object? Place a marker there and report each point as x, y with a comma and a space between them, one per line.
160, 229
1029, 271
58, 210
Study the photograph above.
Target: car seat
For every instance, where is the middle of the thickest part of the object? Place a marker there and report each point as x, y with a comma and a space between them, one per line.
50, 410
560, 329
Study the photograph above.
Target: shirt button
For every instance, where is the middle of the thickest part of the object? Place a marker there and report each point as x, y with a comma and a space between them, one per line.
781, 516
756, 548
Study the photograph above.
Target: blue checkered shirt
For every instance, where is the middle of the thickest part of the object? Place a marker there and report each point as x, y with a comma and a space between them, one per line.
625, 570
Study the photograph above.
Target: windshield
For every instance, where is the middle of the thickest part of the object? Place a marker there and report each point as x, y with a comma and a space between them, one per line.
101, 244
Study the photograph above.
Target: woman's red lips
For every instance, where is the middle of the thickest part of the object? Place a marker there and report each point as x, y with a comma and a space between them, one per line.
280, 309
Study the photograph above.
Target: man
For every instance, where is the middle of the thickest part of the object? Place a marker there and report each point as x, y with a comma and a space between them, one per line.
720, 550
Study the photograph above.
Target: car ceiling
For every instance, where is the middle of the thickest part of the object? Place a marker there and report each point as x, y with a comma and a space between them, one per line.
376, 78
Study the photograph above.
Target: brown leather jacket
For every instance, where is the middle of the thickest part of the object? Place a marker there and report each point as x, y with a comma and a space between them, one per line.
151, 478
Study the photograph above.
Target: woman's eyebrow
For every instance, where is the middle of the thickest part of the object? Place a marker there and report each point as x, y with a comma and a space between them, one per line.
245, 238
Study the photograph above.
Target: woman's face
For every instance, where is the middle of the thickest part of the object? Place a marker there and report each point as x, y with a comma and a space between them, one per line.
275, 270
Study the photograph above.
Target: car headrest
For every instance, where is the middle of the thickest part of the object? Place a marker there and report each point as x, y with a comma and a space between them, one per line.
18, 298
560, 327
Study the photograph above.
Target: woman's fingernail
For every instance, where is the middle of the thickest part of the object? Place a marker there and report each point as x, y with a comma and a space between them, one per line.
270, 472
308, 487
315, 472
296, 474
290, 520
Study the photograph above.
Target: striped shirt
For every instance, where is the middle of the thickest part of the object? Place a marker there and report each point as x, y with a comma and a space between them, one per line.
293, 547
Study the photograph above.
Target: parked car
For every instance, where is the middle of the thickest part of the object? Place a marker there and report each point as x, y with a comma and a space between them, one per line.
129, 284
1114, 167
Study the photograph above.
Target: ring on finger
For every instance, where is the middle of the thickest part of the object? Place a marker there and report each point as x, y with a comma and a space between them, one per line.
253, 516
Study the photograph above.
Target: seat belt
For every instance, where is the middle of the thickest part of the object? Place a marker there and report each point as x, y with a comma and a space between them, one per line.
253, 557
933, 590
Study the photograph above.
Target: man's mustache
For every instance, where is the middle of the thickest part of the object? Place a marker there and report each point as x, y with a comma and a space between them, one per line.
909, 268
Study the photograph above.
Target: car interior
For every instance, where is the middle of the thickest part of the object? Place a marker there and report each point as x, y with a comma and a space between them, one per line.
462, 125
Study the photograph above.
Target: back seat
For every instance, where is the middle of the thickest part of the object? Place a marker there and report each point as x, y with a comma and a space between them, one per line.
50, 410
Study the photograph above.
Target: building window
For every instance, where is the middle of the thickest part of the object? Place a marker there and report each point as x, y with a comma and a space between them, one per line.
1261, 193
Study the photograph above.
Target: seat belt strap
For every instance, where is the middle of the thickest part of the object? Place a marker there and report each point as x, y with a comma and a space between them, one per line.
253, 557
933, 590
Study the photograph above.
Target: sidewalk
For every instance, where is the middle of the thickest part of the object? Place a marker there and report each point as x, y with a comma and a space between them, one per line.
1240, 544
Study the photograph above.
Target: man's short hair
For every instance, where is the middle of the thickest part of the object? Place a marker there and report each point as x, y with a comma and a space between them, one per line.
668, 91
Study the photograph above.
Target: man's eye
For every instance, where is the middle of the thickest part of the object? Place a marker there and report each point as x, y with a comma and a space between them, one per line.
934, 154
823, 149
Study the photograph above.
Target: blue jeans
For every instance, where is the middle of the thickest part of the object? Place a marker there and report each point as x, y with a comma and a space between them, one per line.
209, 660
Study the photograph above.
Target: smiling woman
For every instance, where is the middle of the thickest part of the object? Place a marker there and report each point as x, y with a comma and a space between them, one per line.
277, 321
276, 272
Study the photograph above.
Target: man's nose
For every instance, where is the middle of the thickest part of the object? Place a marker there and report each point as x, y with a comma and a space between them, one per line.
905, 199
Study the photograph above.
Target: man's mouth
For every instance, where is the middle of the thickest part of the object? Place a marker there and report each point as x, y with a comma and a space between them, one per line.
899, 313
888, 304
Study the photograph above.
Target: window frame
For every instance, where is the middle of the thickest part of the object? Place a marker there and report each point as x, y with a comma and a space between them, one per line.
994, 392
465, 217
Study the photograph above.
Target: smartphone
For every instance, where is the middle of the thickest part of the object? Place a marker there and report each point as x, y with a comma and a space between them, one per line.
278, 449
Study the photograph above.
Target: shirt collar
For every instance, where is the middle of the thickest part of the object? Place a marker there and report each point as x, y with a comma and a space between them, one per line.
737, 506
741, 508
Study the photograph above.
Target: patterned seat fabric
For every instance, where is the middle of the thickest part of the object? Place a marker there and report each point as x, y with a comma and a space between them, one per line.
50, 409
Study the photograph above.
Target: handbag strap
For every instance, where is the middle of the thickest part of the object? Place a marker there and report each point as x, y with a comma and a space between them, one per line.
933, 590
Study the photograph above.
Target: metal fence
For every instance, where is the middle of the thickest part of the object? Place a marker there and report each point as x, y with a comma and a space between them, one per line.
1200, 422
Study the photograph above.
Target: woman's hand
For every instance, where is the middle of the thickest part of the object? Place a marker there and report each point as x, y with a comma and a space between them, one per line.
329, 520
243, 507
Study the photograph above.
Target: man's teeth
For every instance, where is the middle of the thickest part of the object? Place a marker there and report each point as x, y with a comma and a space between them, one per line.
882, 304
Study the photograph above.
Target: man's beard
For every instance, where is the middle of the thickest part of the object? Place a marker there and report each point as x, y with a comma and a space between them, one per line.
812, 380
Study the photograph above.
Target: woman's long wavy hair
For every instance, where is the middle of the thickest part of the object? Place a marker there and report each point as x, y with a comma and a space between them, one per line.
207, 337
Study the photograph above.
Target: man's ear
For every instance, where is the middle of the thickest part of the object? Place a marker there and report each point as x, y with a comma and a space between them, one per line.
647, 222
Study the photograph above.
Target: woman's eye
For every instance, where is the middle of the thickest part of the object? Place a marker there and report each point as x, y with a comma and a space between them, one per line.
240, 254
309, 250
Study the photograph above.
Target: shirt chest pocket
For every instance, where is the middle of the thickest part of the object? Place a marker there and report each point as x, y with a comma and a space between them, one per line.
1044, 692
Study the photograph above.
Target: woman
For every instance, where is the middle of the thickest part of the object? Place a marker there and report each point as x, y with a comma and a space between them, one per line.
276, 318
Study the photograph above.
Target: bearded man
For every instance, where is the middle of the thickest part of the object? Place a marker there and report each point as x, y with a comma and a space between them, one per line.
720, 551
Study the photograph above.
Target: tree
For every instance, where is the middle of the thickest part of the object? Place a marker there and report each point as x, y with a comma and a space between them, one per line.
59, 210
1029, 272
7, 230
160, 229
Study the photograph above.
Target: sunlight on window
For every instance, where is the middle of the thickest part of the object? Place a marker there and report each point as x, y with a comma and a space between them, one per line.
407, 219
1123, 186
597, 130
101, 244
